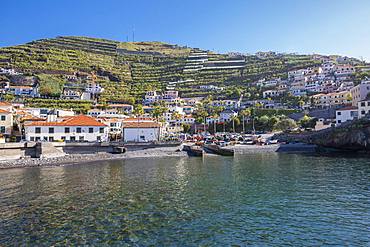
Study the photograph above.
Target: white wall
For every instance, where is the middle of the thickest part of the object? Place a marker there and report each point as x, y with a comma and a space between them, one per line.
59, 132
345, 115
148, 134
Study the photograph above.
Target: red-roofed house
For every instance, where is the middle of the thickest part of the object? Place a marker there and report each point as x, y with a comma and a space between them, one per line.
80, 128
6, 106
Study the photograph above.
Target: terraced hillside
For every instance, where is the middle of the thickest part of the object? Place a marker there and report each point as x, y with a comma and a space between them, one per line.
127, 70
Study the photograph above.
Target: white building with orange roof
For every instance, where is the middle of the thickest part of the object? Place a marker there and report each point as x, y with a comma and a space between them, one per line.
331, 99
6, 106
80, 128
138, 130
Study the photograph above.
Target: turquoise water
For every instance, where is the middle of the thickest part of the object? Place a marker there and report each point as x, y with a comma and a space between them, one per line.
259, 199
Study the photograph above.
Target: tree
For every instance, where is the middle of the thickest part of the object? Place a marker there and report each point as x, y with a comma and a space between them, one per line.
285, 124
235, 120
307, 122
245, 113
186, 127
158, 111
139, 110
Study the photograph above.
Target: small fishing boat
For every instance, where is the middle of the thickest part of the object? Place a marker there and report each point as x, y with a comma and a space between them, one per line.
194, 151
119, 150
216, 149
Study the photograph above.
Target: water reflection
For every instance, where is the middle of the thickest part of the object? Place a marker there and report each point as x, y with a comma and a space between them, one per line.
247, 199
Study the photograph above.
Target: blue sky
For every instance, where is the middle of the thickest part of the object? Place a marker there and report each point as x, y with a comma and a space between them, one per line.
303, 26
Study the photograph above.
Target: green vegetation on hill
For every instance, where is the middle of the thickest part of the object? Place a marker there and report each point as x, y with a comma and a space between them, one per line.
129, 69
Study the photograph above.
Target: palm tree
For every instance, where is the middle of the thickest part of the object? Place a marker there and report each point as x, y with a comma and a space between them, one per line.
215, 116
253, 112
245, 113
176, 116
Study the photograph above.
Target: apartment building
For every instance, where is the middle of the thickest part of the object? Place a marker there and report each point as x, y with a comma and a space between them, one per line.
80, 128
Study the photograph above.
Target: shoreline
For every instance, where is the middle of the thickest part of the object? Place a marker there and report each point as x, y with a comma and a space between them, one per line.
73, 159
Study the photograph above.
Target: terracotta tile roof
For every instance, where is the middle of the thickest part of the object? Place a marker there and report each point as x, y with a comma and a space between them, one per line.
81, 120
5, 104
32, 118
23, 87
140, 125
119, 105
4, 112
133, 119
348, 108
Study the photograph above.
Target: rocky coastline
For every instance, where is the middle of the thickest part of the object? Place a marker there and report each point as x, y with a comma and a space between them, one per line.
72, 159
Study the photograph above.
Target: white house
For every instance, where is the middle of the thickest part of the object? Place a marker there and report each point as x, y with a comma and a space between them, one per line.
272, 93
187, 119
80, 128
227, 115
360, 92
24, 91
95, 112
139, 131
346, 114
344, 69
6, 122
363, 108
94, 89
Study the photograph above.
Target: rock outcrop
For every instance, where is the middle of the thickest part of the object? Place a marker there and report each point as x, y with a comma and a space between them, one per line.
353, 136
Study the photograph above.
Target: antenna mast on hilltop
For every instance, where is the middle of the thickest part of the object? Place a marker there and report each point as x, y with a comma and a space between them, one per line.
133, 34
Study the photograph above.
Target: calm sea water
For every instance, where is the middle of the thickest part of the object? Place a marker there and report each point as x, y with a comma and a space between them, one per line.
259, 199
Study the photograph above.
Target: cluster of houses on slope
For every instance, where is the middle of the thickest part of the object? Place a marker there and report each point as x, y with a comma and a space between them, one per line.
330, 77
78, 86
51, 125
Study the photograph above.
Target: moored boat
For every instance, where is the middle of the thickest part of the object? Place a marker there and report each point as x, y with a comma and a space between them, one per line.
195, 151
215, 149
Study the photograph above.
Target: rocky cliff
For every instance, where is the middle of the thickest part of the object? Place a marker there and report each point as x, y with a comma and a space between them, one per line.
353, 136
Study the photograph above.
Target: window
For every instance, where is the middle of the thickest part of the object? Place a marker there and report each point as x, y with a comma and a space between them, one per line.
73, 138
66, 130
91, 130
81, 138
362, 103
101, 130
63, 138
32, 139
339, 121
78, 130
51, 130
98, 138
51, 139
368, 103
363, 112
37, 138
37, 130
339, 113
3, 118
2, 129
